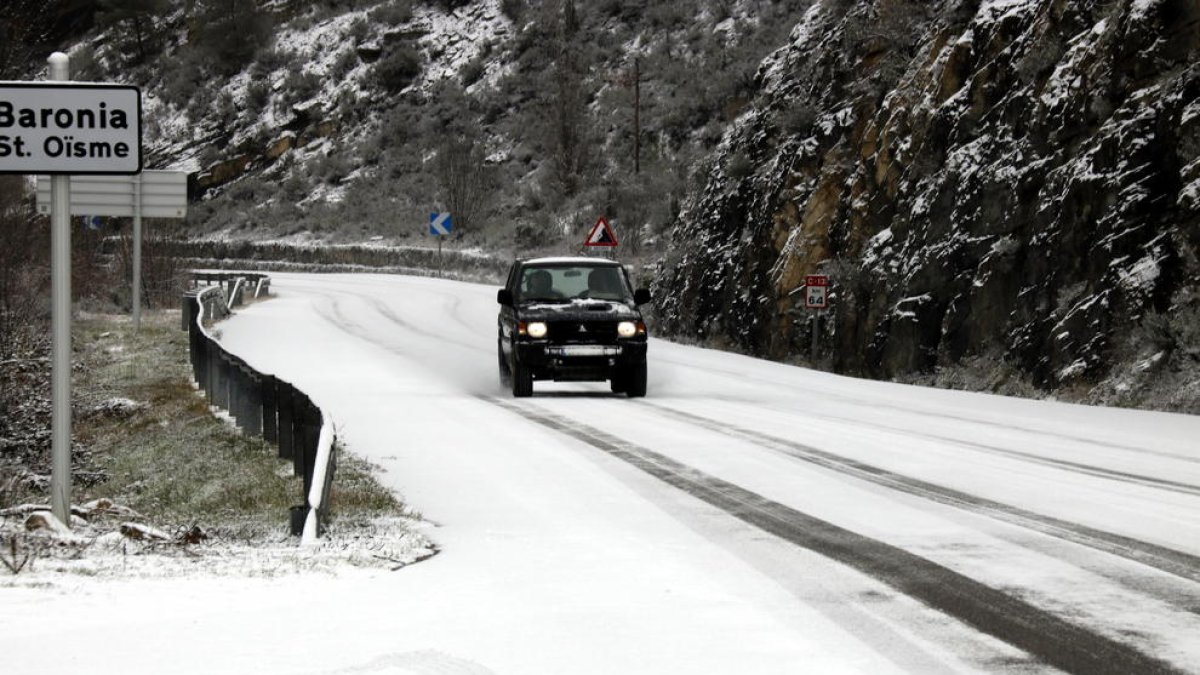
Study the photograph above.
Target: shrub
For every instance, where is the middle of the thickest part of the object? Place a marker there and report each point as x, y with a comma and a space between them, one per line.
360, 30
512, 9
343, 64
472, 71
739, 166
258, 93
392, 13
270, 59
397, 70
300, 86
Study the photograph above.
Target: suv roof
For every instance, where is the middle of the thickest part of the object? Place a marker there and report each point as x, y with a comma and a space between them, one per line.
570, 260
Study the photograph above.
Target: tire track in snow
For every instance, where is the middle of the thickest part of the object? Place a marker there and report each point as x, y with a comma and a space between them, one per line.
1065, 465
958, 418
1055, 641
1162, 558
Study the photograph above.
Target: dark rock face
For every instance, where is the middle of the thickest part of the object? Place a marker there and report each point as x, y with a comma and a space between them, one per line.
1004, 177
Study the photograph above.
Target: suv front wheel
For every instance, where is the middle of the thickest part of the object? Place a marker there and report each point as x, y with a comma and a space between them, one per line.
634, 381
522, 380
505, 373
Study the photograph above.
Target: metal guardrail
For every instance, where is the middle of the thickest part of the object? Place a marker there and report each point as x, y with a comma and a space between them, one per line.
264, 405
236, 284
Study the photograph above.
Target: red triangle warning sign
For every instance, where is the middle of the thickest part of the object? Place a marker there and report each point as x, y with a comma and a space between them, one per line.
601, 235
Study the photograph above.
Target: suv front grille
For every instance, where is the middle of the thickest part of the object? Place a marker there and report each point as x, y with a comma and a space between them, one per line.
590, 332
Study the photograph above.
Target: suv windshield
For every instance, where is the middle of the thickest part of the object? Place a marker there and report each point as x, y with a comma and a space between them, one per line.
570, 282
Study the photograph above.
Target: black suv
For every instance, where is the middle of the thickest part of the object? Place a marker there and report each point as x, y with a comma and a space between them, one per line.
571, 320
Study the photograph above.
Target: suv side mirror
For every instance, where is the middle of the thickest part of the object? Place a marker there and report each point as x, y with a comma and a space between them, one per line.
641, 296
504, 297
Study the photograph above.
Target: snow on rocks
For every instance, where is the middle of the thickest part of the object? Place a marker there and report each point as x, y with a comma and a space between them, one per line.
107, 507
116, 407
110, 540
139, 532
47, 522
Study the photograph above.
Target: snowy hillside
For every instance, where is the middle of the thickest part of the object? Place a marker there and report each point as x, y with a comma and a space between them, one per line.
1005, 188
345, 119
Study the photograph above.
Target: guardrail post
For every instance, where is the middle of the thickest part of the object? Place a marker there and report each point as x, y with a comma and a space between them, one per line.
234, 389
189, 308
237, 406
221, 389
312, 438
254, 406
201, 365
189, 323
323, 511
285, 395
212, 354
300, 414
270, 409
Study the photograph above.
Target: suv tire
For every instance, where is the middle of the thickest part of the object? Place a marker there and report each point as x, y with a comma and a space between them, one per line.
618, 382
522, 381
635, 381
505, 372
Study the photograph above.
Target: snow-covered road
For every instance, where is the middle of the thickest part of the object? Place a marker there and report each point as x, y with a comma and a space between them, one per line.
746, 517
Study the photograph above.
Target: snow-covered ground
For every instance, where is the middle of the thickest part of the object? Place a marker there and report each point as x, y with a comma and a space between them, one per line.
746, 517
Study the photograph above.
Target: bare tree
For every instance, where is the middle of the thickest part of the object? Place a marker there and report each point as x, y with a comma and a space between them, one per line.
22, 278
135, 21
465, 181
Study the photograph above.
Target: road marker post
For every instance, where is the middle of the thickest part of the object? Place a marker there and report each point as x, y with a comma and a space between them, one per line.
816, 297
440, 225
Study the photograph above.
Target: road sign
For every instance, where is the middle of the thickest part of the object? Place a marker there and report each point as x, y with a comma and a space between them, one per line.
70, 128
440, 224
92, 222
815, 287
163, 195
601, 235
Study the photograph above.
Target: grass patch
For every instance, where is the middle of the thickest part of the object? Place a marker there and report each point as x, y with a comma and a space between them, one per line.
356, 493
159, 450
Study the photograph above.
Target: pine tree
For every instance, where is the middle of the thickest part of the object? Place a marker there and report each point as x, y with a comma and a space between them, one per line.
231, 31
568, 106
133, 21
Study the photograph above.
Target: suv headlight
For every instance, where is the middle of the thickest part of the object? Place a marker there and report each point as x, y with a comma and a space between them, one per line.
536, 329
627, 329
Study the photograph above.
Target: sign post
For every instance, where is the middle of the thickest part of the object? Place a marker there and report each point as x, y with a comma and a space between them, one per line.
440, 225
137, 253
60, 340
64, 128
154, 194
816, 297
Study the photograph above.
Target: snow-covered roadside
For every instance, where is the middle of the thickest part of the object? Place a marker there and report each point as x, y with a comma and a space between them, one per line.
548, 564
118, 552
559, 557
212, 502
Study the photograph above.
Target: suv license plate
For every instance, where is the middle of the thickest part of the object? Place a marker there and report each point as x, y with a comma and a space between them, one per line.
583, 350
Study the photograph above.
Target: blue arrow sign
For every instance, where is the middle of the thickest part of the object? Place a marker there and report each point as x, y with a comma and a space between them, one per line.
440, 223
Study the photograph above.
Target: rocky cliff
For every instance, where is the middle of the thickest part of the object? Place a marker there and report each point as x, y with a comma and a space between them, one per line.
1009, 180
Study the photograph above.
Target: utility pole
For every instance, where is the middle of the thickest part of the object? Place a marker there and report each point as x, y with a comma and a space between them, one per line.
637, 116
